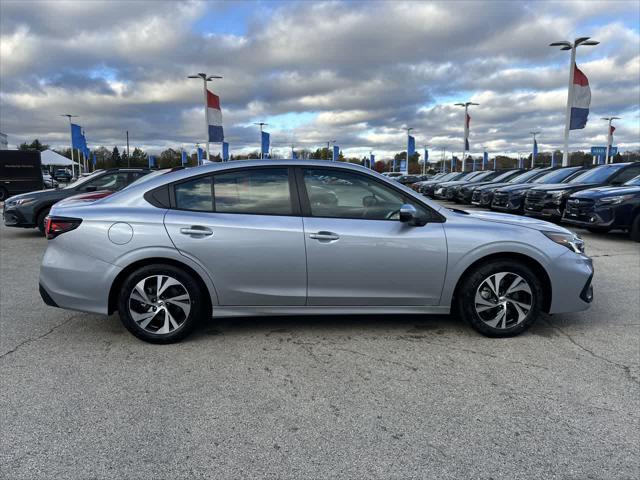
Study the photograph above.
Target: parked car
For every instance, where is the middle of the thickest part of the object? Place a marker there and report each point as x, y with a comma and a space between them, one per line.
510, 198
407, 179
483, 194
606, 208
63, 175
392, 174
428, 186
464, 192
246, 238
447, 190
29, 210
20, 171
548, 201
416, 186
48, 181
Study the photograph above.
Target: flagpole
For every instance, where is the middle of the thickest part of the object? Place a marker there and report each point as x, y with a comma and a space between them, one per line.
609, 136
533, 152
205, 78
69, 116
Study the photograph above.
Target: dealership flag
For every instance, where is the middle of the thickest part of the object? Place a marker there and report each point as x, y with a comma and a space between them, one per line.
467, 121
485, 160
535, 148
580, 101
200, 155
152, 161
214, 118
225, 151
294, 155
265, 141
372, 161
336, 153
76, 136
184, 157
411, 147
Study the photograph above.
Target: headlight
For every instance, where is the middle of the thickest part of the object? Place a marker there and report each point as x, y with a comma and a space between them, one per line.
569, 240
558, 195
615, 200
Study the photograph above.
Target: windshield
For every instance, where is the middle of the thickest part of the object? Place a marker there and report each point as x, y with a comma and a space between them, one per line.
487, 175
634, 182
83, 180
596, 175
447, 176
149, 176
470, 175
557, 176
503, 177
526, 176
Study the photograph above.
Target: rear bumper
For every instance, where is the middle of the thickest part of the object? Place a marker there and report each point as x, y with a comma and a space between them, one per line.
75, 281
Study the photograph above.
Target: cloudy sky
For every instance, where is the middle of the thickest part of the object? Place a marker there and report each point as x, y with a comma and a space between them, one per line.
353, 71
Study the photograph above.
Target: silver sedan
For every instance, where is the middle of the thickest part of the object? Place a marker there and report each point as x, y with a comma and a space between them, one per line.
294, 238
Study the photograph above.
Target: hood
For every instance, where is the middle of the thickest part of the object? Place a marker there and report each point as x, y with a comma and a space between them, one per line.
491, 186
526, 222
43, 195
517, 187
601, 192
452, 183
558, 187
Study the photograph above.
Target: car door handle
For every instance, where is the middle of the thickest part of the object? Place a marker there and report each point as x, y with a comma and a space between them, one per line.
325, 236
196, 230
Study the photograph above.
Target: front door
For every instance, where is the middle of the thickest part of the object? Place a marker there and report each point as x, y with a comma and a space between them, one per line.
243, 226
358, 252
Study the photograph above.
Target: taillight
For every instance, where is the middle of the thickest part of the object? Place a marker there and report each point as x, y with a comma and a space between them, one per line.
55, 226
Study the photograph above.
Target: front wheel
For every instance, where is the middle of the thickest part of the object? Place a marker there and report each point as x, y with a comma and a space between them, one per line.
500, 299
160, 303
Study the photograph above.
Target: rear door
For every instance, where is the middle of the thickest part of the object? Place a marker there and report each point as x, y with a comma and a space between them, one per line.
244, 227
358, 252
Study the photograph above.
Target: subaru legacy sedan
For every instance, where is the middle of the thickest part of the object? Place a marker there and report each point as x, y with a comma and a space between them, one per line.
290, 237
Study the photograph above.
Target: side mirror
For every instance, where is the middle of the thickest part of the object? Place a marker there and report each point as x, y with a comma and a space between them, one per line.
408, 213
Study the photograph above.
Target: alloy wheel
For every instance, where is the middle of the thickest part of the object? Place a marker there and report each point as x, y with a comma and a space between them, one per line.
159, 304
503, 300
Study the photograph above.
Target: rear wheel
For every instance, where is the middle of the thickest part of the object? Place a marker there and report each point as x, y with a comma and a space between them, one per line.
160, 303
501, 298
40, 220
634, 231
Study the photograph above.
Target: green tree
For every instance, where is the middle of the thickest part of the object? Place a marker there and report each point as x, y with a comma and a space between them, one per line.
139, 158
35, 145
116, 160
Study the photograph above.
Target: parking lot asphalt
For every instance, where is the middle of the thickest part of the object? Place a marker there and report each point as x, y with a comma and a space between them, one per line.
320, 397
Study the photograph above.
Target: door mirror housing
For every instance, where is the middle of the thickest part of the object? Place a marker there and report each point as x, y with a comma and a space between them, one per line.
408, 214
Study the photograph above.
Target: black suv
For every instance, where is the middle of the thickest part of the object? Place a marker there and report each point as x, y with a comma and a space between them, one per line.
30, 209
606, 208
548, 201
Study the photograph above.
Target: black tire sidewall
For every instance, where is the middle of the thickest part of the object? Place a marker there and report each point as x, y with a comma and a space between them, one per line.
40, 220
470, 284
192, 286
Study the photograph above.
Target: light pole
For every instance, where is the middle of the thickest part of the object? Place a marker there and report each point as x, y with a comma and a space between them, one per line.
69, 116
466, 129
205, 78
609, 135
128, 154
566, 45
261, 124
408, 129
534, 152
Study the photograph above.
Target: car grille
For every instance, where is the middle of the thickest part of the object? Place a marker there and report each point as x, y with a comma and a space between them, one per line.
486, 196
500, 199
579, 208
536, 196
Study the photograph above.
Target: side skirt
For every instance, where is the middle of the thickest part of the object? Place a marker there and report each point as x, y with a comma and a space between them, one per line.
268, 310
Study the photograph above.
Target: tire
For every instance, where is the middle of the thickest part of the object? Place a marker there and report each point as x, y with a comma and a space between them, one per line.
3, 194
40, 219
138, 316
475, 298
599, 229
634, 231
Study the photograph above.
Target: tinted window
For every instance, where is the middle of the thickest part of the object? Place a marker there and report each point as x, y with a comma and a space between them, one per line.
634, 182
526, 176
596, 175
194, 195
627, 174
557, 176
110, 181
339, 194
260, 191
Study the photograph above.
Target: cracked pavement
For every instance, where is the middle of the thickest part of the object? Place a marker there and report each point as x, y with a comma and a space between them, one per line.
334, 397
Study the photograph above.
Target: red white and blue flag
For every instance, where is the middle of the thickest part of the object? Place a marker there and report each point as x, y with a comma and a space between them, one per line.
214, 118
580, 101
467, 120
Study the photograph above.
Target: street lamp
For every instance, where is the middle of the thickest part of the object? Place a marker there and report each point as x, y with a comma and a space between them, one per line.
69, 116
205, 78
609, 135
261, 124
534, 153
466, 129
566, 45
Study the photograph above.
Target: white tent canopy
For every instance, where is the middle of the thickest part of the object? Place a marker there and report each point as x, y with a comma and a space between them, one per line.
49, 157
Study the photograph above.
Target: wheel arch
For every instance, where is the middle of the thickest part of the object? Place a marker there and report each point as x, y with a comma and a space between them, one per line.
125, 272
530, 262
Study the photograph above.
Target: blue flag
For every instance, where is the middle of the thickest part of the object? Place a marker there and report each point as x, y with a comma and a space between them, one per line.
294, 154
372, 161
393, 165
152, 161
453, 163
225, 151
184, 158
200, 155
426, 156
265, 141
485, 160
535, 148
411, 145
76, 136
336, 153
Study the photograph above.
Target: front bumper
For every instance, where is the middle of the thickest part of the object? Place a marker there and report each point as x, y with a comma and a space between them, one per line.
12, 217
547, 209
571, 276
507, 203
587, 214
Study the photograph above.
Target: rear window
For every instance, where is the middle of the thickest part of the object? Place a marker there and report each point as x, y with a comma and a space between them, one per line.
194, 195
